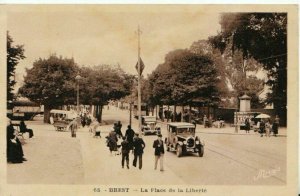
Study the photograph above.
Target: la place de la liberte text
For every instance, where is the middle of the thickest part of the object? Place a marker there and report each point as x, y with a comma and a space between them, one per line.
156, 190
170, 190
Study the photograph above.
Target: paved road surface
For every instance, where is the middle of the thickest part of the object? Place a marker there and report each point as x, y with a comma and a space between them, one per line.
229, 159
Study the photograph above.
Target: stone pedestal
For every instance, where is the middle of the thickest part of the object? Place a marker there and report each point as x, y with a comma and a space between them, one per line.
245, 105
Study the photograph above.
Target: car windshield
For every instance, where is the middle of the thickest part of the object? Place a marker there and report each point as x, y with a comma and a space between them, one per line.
185, 130
149, 119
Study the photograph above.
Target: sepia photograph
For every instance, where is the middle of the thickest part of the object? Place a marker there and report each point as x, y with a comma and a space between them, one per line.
149, 99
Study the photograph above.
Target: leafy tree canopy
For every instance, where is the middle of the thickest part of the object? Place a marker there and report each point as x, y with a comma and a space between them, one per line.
262, 36
15, 53
50, 81
184, 77
103, 83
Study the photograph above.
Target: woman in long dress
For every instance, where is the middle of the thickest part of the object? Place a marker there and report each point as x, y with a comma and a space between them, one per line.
268, 128
112, 141
14, 151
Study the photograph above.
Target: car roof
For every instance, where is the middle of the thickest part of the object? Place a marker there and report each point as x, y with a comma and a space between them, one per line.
59, 111
181, 125
149, 116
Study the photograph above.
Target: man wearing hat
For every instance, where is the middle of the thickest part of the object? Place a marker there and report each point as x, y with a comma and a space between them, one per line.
159, 151
129, 135
138, 149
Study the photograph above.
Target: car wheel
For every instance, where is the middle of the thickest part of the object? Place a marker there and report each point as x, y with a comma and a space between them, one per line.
201, 151
179, 151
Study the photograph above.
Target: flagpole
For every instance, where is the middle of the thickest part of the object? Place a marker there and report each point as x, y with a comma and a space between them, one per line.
139, 82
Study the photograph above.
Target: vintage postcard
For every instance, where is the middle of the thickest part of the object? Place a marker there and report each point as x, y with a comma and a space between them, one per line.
149, 99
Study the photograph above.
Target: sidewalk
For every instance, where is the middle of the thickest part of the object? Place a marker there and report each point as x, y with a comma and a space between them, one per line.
56, 158
282, 132
53, 158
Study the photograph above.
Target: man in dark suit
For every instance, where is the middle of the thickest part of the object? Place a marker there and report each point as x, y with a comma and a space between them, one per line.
159, 151
129, 135
125, 152
138, 149
23, 129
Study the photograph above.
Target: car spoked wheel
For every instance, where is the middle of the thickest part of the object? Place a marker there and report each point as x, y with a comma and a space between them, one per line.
201, 151
179, 151
168, 148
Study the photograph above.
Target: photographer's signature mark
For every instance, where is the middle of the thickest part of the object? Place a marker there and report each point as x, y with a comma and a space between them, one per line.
262, 173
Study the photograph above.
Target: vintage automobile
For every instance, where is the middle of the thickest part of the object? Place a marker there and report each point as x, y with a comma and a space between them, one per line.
181, 138
149, 125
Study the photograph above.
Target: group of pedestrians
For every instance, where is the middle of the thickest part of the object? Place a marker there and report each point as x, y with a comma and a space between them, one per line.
85, 119
266, 127
132, 142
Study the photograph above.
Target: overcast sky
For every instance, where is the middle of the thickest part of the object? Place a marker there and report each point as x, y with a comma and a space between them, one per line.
96, 35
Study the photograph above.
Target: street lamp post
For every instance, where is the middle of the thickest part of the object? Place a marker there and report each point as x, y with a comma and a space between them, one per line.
78, 78
130, 115
139, 82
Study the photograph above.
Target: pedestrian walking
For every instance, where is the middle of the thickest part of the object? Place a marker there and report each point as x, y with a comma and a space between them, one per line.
268, 128
262, 127
194, 123
129, 135
159, 152
205, 121
51, 120
88, 121
112, 141
73, 127
275, 126
83, 120
125, 152
94, 128
118, 127
138, 149
247, 125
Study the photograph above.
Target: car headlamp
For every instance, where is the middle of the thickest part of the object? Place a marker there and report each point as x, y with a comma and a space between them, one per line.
197, 142
184, 142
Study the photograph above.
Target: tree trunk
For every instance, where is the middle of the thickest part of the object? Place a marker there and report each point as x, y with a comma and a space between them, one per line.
94, 111
168, 113
90, 108
163, 113
174, 114
47, 109
190, 108
97, 112
182, 112
100, 113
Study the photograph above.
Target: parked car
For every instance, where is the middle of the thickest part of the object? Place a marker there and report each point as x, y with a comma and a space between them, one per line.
181, 139
149, 125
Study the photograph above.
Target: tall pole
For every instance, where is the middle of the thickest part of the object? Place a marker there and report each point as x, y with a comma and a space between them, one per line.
78, 97
130, 114
139, 82
77, 78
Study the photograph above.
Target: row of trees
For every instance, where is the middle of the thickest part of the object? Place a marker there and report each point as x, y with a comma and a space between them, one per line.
211, 70
226, 65
51, 82
183, 79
